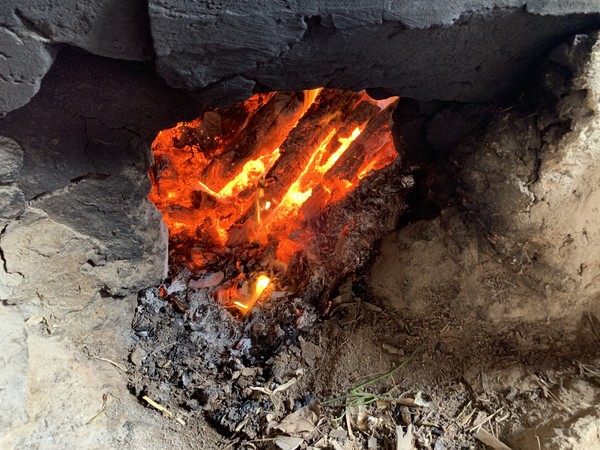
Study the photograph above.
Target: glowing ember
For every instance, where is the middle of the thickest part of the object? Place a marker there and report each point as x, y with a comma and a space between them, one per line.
245, 179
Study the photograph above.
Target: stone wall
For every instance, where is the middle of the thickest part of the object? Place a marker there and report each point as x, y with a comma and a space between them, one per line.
74, 217
74, 157
451, 50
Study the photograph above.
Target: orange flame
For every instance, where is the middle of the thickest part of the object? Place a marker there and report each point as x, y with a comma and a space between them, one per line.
238, 207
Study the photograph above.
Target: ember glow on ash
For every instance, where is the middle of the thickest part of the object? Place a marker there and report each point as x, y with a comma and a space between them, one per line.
237, 186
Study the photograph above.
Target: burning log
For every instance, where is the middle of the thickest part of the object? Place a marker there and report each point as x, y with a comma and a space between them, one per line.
290, 180
264, 132
372, 149
283, 195
359, 117
328, 113
375, 136
339, 239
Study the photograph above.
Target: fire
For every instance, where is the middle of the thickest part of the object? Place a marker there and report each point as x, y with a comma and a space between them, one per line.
251, 171
262, 282
249, 176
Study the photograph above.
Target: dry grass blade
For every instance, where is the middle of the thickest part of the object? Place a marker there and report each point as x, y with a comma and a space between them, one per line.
484, 420
102, 408
589, 316
549, 393
588, 370
119, 366
162, 409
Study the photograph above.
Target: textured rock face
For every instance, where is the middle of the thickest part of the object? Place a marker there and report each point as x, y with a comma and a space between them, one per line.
31, 30
465, 51
540, 173
452, 50
111, 28
25, 60
78, 183
14, 361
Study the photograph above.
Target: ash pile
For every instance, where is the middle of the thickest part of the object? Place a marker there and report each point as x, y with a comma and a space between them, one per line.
258, 251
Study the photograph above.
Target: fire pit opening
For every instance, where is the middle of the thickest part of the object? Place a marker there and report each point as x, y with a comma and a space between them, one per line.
286, 192
201, 249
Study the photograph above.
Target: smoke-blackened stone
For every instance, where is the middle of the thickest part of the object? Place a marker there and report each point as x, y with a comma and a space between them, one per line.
11, 160
472, 51
84, 176
112, 28
24, 60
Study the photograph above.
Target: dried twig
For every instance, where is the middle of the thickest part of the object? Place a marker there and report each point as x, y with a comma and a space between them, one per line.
548, 392
488, 439
349, 425
162, 409
119, 366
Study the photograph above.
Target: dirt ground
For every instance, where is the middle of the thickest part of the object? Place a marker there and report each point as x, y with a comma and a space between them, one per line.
532, 385
537, 381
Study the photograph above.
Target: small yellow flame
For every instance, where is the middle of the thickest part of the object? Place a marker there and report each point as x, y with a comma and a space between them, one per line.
240, 305
259, 286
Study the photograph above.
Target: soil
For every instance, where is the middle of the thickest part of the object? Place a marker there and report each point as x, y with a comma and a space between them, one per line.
524, 381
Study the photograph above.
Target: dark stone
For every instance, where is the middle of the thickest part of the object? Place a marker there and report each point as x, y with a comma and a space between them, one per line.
24, 62
31, 30
112, 28
85, 139
11, 160
12, 202
453, 51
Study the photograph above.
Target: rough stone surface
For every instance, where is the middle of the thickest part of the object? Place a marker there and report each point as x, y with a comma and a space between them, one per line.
524, 245
24, 60
110, 28
562, 431
444, 263
14, 360
467, 51
531, 180
31, 31
455, 50
84, 178
56, 381
12, 202
11, 160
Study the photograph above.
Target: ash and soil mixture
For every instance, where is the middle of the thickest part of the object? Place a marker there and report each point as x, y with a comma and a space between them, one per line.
223, 373
447, 341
